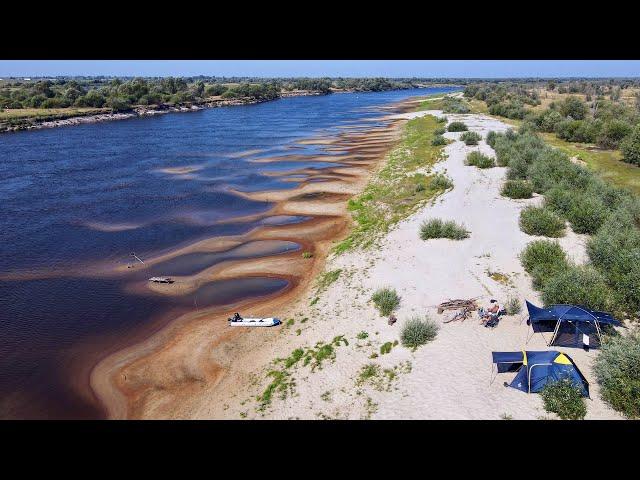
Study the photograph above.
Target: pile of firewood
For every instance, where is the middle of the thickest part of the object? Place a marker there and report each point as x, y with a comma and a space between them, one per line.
465, 308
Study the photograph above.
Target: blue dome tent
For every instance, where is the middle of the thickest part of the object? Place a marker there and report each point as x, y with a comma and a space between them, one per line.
536, 369
572, 325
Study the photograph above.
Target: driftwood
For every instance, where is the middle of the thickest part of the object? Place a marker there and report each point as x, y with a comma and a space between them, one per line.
465, 309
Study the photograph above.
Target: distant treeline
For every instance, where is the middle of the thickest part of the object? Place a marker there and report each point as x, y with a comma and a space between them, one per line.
120, 94
602, 118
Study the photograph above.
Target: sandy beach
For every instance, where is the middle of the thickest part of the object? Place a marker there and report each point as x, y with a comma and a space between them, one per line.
193, 369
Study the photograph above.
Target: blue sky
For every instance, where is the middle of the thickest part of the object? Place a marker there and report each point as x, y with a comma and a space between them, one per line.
331, 68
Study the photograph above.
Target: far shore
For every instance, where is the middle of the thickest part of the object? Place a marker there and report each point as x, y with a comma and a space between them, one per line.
79, 118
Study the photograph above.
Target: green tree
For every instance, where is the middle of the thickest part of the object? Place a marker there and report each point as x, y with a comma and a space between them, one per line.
573, 107
630, 147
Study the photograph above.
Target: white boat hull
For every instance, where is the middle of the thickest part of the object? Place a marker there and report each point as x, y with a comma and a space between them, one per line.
256, 322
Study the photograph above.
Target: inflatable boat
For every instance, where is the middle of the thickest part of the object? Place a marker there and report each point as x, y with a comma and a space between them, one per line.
254, 322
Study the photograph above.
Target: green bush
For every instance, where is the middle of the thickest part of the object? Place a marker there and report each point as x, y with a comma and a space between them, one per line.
615, 251
613, 132
513, 306
587, 213
630, 147
541, 221
436, 228
578, 285
564, 398
438, 140
491, 138
517, 189
457, 127
559, 199
617, 369
543, 259
417, 331
573, 107
440, 182
479, 160
440, 131
470, 138
386, 301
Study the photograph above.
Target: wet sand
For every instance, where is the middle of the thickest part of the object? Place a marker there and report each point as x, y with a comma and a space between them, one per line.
166, 374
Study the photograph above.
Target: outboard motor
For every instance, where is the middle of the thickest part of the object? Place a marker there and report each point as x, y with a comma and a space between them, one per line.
236, 318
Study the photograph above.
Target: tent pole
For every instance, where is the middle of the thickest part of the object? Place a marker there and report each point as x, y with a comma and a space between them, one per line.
598, 330
555, 332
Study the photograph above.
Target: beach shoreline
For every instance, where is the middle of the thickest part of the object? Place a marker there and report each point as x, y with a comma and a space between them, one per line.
129, 382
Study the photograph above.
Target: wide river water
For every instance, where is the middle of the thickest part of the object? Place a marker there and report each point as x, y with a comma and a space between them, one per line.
78, 196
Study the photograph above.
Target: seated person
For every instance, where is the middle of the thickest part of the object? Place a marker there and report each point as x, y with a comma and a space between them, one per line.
491, 311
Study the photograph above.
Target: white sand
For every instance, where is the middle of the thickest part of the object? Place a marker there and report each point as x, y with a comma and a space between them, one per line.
450, 378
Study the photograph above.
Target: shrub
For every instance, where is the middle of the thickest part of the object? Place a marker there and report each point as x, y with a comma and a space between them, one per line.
470, 138
582, 131
442, 119
386, 301
517, 189
417, 332
578, 285
612, 133
543, 259
513, 306
617, 372
559, 199
548, 120
454, 105
565, 399
440, 182
438, 140
491, 138
457, 127
541, 221
630, 147
480, 160
587, 213
439, 131
436, 228
573, 107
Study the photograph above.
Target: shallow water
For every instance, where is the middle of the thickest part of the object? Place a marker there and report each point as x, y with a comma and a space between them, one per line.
73, 197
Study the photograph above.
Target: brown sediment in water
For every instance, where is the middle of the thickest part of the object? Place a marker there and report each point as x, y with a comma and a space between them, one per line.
167, 374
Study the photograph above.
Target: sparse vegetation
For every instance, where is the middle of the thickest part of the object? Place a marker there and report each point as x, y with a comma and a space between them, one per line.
563, 398
418, 331
386, 300
541, 221
307, 254
437, 228
393, 194
513, 306
327, 279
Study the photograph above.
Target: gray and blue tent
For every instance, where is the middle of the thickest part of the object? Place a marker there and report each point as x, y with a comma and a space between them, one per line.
572, 325
536, 369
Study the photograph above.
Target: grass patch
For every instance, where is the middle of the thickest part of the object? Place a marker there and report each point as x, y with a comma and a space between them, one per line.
470, 138
440, 182
391, 195
326, 279
418, 331
541, 221
362, 335
457, 127
517, 189
437, 228
477, 159
438, 141
564, 399
618, 373
386, 301
307, 254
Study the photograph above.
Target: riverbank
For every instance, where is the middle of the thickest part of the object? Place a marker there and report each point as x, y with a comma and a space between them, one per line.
355, 368
59, 118
166, 375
